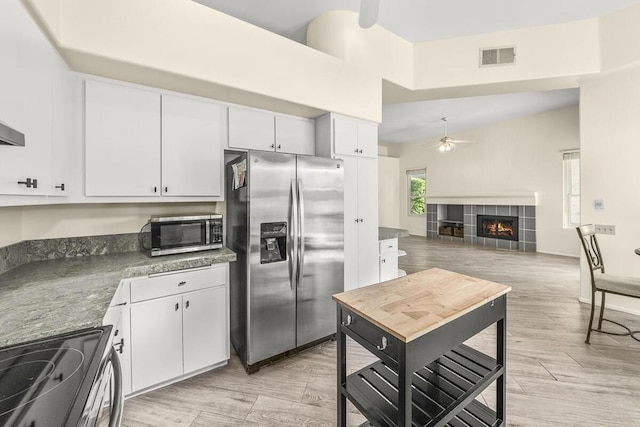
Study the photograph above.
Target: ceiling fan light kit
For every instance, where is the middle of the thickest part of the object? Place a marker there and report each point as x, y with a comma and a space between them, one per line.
446, 143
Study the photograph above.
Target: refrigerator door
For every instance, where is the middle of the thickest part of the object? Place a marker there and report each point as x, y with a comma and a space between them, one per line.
321, 253
272, 292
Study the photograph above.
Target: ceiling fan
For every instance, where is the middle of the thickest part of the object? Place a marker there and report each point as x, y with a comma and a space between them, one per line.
446, 143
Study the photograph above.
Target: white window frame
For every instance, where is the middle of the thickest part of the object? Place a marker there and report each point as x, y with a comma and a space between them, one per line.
569, 194
411, 173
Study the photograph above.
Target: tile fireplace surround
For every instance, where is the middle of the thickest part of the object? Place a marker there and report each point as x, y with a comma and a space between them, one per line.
526, 225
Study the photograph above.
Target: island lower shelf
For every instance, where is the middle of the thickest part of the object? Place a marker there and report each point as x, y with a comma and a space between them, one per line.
446, 386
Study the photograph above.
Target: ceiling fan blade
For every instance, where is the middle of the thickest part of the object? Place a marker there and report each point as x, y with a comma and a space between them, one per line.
463, 141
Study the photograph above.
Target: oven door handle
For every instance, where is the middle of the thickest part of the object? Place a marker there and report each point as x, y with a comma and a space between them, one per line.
118, 398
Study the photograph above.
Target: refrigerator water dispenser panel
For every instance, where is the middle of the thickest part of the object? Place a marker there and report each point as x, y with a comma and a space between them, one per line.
273, 242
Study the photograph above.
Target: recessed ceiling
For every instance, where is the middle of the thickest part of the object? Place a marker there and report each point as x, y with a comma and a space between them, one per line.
419, 20
419, 121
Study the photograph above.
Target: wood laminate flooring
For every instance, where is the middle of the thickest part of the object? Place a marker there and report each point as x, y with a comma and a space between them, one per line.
553, 377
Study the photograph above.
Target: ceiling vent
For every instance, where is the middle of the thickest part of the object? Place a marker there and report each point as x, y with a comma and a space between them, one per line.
493, 56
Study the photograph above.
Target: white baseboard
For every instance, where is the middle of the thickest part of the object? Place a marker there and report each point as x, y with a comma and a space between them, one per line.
610, 306
559, 254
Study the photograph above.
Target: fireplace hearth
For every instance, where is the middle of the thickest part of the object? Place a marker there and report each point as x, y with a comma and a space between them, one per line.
498, 227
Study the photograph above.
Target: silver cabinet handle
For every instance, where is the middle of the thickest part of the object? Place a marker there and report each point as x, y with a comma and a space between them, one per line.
186, 305
384, 344
182, 283
119, 346
384, 260
350, 320
356, 150
177, 306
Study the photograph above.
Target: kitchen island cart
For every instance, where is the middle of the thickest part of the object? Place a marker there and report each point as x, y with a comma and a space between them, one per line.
425, 375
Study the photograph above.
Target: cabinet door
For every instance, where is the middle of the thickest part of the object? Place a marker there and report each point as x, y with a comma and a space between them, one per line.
345, 136
156, 341
25, 100
122, 140
350, 224
295, 136
251, 130
192, 135
204, 328
368, 139
388, 266
368, 269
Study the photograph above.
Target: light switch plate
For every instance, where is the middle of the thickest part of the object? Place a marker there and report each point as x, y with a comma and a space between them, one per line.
605, 229
598, 204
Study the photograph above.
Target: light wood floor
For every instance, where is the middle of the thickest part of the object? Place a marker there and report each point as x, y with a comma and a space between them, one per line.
553, 377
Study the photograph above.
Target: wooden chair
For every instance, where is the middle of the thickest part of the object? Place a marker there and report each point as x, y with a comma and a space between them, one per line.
605, 283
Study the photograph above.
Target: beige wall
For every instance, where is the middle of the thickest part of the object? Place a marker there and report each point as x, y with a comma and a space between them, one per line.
144, 42
53, 221
610, 152
10, 225
376, 49
546, 52
516, 157
388, 195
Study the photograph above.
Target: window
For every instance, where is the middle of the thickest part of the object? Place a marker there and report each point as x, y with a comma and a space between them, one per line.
571, 166
417, 191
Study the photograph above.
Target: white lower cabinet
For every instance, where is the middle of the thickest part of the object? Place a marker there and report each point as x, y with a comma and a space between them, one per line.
204, 321
388, 259
176, 331
156, 341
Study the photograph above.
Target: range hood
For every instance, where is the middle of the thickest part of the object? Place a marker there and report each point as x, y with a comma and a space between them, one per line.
9, 136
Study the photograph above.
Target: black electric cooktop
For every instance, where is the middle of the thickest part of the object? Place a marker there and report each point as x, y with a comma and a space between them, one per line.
47, 382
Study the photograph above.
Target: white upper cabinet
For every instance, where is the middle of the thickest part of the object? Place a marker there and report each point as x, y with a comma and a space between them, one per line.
251, 129
354, 137
141, 143
295, 136
193, 132
262, 130
27, 76
122, 141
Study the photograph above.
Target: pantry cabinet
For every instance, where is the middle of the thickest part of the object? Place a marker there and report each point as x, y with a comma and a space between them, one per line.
337, 137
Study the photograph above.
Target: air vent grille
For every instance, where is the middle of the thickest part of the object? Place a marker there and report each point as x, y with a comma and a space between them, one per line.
490, 57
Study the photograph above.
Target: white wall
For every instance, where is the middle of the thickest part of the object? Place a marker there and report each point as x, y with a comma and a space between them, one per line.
610, 154
54, 221
185, 46
518, 156
545, 52
376, 49
10, 225
388, 195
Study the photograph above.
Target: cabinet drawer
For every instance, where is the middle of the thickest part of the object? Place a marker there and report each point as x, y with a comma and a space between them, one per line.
146, 288
370, 334
389, 245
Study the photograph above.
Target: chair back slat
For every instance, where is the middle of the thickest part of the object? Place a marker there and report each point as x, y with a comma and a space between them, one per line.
591, 248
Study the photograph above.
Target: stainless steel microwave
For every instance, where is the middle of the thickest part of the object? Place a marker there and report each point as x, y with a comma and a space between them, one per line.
190, 233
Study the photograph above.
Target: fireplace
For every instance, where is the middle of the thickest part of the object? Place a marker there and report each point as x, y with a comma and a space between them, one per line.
498, 227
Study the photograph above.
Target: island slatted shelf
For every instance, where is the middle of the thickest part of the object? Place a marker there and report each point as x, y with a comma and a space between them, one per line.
425, 375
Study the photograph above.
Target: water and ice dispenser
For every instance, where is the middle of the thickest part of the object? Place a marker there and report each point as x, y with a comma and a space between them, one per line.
273, 242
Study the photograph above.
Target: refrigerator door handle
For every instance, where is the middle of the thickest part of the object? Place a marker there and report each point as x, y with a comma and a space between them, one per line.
300, 234
293, 246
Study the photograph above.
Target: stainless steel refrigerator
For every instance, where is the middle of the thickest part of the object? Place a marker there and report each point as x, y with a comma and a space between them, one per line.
285, 221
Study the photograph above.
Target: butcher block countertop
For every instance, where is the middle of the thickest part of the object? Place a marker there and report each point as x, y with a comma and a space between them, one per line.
411, 306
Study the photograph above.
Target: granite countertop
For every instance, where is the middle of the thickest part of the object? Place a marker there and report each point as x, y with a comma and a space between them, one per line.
385, 233
44, 298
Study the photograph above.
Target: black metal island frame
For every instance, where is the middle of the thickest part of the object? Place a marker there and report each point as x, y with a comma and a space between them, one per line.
425, 375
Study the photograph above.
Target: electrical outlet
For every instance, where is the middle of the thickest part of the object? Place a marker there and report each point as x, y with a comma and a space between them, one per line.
605, 229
